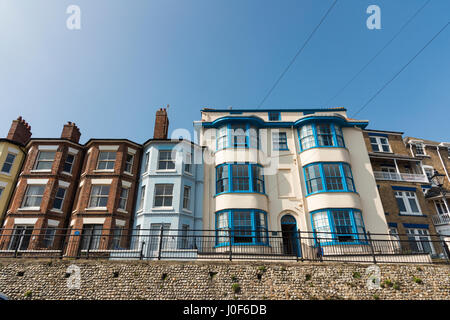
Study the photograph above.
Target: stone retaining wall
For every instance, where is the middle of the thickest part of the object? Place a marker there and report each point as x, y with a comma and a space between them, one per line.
39, 279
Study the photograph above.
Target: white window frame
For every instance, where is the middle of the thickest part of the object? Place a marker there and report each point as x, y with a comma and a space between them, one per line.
62, 200
38, 160
406, 196
10, 163
379, 144
422, 147
141, 201
187, 200
188, 163
425, 168
439, 203
101, 186
129, 163
417, 233
164, 195
71, 164
26, 196
167, 161
107, 160
125, 199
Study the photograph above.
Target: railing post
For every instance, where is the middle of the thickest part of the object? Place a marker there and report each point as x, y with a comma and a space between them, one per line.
446, 250
319, 250
160, 242
89, 246
371, 247
141, 255
18, 246
230, 244
299, 244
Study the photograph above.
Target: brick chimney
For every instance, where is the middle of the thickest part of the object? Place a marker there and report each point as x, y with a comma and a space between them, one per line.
71, 132
161, 124
20, 131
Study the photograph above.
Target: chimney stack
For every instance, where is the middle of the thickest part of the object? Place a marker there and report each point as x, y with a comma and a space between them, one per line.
20, 131
161, 124
71, 132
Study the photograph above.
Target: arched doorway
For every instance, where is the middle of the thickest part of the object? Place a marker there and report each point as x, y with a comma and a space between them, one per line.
290, 235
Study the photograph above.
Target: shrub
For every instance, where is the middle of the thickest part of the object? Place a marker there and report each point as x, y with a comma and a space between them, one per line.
28, 294
376, 297
262, 268
417, 280
236, 287
388, 283
356, 275
396, 286
307, 277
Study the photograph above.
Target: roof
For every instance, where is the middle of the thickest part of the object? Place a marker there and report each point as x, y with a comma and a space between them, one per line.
384, 131
11, 141
274, 110
425, 141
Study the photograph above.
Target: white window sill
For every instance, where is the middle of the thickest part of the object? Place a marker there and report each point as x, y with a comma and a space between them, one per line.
42, 170
166, 171
97, 209
162, 208
189, 173
128, 173
186, 210
104, 170
30, 209
56, 210
121, 210
6, 173
67, 173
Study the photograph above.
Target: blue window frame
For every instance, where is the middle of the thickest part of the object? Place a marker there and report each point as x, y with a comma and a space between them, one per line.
328, 177
279, 141
321, 134
240, 135
274, 116
239, 177
243, 226
338, 226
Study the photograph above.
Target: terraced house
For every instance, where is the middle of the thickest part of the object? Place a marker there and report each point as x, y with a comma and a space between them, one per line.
403, 180
43, 198
287, 170
12, 155
170, 191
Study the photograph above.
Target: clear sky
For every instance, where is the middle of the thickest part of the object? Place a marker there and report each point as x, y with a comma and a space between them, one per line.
132, 57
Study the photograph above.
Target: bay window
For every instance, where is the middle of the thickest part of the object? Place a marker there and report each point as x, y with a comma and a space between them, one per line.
240, 135
239, 177
334, 226
243, 226
328, 177
33, 196
320, 134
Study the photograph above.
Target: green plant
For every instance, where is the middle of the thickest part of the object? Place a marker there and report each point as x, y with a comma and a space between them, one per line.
356, 275
262, 268
388, 283
419, 269
164, 276
396, 286
283, 269
236, 287
417, 280
307, 277
28, 294
234, 278
376, 297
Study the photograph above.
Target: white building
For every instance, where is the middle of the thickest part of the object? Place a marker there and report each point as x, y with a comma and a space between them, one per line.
272, 171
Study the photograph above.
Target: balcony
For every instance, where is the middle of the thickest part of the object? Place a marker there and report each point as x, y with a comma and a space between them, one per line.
441, 219
395, 176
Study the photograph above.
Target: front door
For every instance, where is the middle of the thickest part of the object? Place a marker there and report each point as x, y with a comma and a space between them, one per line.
290, 236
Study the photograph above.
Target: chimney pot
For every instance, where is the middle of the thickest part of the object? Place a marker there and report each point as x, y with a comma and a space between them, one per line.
71, 132
20, 131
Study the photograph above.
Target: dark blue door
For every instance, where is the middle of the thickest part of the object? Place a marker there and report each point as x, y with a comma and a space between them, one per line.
291, 245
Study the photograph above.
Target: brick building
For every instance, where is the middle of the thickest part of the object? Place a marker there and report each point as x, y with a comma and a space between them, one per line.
43, 197
104, 204
402, 183
435, 156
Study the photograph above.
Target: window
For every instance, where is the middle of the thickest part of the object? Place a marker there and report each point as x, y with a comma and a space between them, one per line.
91, 235
186, 197
141, 202
59, 198
379, 144
68, 163
106, 160
165, 161
333, 226
147, 161
320, 135
237, 136
326, 177
274, 116
123, 198
247, 227
441, 208
1, 191
279, 140
239, 178
20, 238
49, 237
33, 196
45, 160
117, 236
163, 195
429, 172
420, 149
419, 241
129, 163
7, 165
407, 202
99, 196
188, 163
155, 231
184, 237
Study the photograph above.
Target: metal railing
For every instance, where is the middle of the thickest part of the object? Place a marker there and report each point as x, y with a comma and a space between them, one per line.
397, 176
242, 244
441, 219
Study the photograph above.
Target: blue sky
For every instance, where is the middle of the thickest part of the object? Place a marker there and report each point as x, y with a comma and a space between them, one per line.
132, 57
